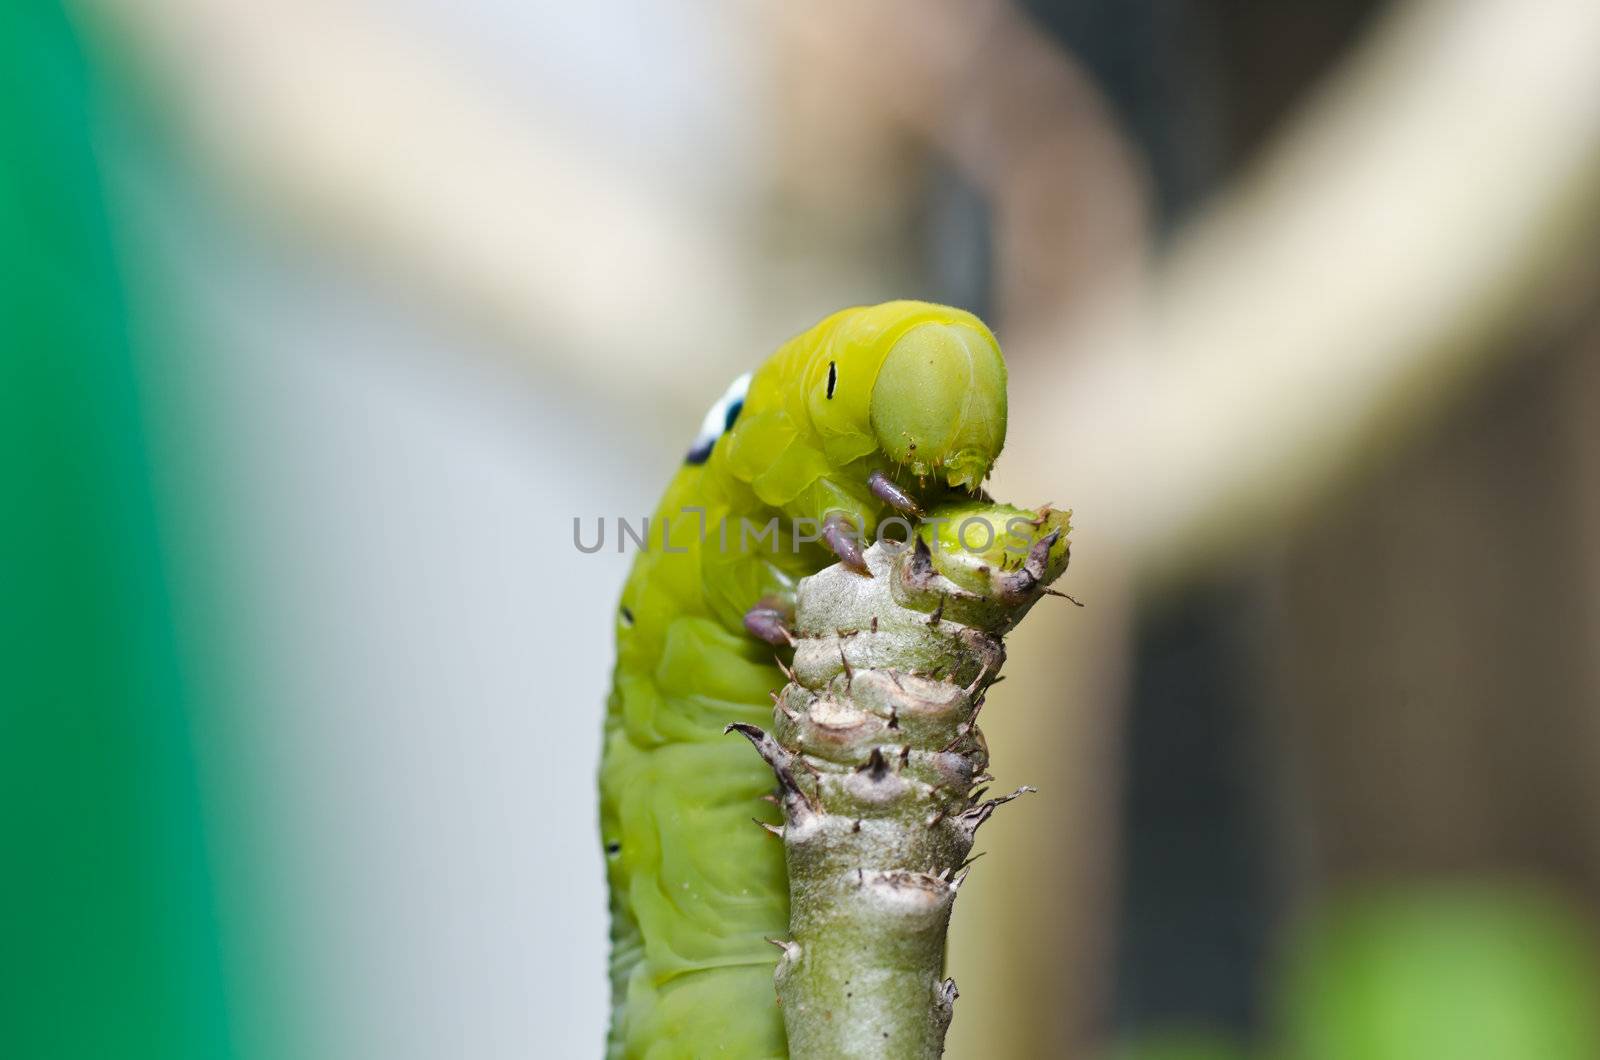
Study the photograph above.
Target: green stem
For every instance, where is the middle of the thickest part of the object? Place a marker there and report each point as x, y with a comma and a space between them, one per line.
880, 769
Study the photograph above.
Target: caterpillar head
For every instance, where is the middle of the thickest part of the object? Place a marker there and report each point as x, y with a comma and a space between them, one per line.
939, 403
925, 384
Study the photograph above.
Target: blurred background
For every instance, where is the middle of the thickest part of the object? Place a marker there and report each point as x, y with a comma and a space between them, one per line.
322, 321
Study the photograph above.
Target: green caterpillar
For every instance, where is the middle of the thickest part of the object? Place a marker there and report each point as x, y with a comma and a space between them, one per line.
872, 413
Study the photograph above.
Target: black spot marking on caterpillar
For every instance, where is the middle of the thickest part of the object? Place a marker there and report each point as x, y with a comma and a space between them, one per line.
833, 378
613, 848
627, 617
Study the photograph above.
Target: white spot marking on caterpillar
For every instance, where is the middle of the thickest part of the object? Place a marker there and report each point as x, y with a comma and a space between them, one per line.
719, 418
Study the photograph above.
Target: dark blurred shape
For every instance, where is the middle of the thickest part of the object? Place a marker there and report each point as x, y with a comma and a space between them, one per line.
1200, 86
957, 241
1194, 915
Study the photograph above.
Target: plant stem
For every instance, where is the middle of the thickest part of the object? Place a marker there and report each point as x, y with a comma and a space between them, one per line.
881, 768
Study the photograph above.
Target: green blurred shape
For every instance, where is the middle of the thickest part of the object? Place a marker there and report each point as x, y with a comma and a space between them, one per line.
1445, 973
108, 944
1180, 1043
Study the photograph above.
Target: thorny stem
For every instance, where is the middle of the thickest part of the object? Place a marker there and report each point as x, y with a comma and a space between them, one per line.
880, 768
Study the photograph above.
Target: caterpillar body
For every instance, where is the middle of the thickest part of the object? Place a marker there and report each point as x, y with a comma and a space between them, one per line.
873, 412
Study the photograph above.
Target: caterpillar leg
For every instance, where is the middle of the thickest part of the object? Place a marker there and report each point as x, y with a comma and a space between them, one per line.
842, 537
885, 490
769, 620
